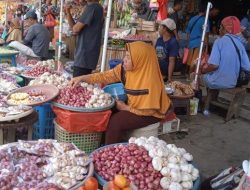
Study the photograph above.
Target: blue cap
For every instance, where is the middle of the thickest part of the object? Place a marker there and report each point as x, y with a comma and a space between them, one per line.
31, 14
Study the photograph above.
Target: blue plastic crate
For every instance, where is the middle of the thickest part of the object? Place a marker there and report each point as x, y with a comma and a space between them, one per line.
44, 127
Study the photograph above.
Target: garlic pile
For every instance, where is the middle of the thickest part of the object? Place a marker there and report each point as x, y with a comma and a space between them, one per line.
7, 87
67, 169
42, 164
98, 98
172, 162
48, 78
51, 64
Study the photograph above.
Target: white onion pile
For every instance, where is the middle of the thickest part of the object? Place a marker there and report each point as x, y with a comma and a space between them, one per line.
131, 161
6, 86
172, 162
49, 78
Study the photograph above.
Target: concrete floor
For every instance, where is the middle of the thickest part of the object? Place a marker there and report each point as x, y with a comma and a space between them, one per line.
214, 144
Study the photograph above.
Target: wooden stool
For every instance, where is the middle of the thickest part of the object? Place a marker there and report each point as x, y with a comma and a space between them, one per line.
182, 103
238, 95
10, 128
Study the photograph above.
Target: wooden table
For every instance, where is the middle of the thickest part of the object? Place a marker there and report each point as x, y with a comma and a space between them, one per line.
11, 126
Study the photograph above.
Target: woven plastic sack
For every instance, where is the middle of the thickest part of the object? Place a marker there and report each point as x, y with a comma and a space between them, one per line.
79, 122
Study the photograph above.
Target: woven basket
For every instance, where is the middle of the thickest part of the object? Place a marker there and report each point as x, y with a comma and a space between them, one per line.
87, 142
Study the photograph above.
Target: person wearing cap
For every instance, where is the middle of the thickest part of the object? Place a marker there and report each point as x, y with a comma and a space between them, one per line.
167, 48
38, 36
222, 69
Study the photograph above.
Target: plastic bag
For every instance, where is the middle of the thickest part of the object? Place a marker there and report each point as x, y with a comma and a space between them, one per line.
50, 21
22, 48
77, 122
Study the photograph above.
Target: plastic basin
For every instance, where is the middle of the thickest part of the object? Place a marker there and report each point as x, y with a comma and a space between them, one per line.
117, 91
114, 62
102, 182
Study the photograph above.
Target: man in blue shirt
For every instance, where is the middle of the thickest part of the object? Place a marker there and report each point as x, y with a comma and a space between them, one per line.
245, 23
222, 70
167, 48
194, 34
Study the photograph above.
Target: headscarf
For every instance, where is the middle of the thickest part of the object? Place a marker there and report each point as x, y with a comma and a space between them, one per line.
145, 75
231, 24
15, 33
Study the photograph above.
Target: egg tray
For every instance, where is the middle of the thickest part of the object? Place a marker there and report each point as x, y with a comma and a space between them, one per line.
83, 109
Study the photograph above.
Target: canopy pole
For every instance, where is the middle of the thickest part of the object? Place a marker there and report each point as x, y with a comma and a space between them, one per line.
209, 6
105, 44
40, 11
6, 14
60, 33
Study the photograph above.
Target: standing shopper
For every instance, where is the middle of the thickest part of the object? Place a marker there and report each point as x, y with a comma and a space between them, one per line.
173, 14
49, 13
194, 33
89, 31
147, 99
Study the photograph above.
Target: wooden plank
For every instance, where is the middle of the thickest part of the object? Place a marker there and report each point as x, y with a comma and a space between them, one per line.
219, 104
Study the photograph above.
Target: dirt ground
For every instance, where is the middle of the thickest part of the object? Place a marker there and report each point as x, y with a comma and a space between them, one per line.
214, 144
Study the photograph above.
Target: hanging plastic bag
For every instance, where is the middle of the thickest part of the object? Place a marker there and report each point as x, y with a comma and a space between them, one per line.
50, 21
185, 56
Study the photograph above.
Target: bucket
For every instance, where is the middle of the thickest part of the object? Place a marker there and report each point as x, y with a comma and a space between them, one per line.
114, 62
194, 103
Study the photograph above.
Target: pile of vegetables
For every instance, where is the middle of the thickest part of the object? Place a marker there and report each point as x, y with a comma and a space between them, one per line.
35, 165
8, 77
85, 95
6, 86
49, 78
129, 160
149, 163
136, 37
37, 71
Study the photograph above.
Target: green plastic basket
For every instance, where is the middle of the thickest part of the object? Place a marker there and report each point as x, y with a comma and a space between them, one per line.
20, 81
87, 142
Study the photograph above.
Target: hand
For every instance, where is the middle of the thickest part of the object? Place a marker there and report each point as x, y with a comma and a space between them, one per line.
75, 81
121, 106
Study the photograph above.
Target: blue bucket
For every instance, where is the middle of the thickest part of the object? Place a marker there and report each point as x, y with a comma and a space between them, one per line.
117, 91
114, 62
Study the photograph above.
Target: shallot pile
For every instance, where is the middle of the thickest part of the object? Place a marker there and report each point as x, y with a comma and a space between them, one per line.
41, 165
48, 78
130, 160
37, 71
6, 86
7, 77
171, 162
84, 96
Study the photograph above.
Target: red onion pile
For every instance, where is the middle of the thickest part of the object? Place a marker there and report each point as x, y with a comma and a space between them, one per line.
8, 77
131, 161
76, 97
30, 62
136, 37
37, 71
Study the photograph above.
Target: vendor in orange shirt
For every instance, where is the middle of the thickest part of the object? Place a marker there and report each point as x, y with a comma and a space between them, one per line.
143, 83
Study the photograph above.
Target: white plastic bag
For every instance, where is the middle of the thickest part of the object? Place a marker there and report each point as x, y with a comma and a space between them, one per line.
22, 48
